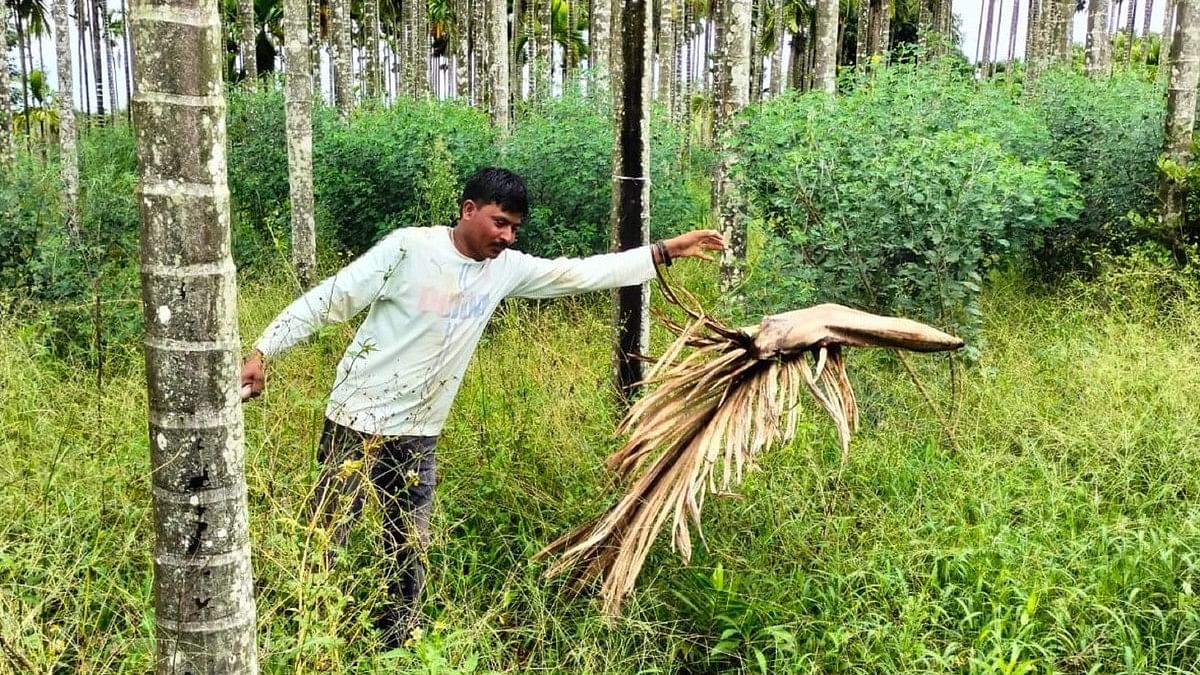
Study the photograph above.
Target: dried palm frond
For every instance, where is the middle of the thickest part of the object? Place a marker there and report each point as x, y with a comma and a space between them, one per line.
735, 394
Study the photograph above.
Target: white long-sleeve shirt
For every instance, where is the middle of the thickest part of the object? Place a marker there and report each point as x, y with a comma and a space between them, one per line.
429, 306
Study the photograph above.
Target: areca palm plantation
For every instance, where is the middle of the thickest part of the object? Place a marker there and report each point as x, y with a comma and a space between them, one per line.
67, 155
6, 139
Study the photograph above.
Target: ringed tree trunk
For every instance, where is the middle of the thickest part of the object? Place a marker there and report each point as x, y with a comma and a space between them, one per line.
1168, 37
21, 39
68, 157
6, 126
462, 64
371, 48
1062, 38
666, 54
298, 93
1181, 117
98, 58
1012, 34
1146, 16
247, 42
987, 38
599, 43
1130, 16
862, 35
777, 53
343, 93
498, 68
110, 63
736, 95
825, 67
203, 586
543, 71
632, 64
1098, 48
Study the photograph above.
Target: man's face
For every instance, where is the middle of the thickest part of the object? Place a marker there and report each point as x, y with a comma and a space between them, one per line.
485, 231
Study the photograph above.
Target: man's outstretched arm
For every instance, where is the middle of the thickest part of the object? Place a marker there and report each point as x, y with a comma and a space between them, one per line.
544, 278
335, 299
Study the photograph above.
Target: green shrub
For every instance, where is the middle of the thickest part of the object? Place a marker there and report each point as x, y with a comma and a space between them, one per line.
563, 149
369, 170
1109, 131
900, 196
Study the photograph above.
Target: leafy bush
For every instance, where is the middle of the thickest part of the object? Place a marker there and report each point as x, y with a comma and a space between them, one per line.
563, 150
369, 170
1109, 131
900, 196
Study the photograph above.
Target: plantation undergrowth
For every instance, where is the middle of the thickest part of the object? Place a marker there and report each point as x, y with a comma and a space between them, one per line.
1054, 527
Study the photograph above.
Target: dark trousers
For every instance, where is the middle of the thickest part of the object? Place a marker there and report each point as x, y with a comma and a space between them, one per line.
403, 472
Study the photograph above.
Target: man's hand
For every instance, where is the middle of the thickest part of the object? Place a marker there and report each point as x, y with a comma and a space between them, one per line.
254, 376
694, 244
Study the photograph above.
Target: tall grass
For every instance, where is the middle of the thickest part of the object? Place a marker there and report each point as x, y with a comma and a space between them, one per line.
1054, 528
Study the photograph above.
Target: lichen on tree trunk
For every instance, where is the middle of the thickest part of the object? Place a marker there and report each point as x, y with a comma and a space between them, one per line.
68, 156
298, 96
631, 72
247, 42
6, 139
1181, 117
203, 586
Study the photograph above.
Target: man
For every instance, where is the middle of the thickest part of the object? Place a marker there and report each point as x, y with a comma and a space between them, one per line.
431, 291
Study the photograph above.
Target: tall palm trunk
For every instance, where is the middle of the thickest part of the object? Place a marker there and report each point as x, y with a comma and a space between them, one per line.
298, 93
462, 65
1066, 20
862, 35
599, 41
247, 43
343, 92
777, 53
67, 156
1168, 36
498, 68
1181, 117
97, 59
632, 64
203, 585
1096, 51
110, 63
1012, 34
544, 69
987, 38
1033, 34
1149, 9
758, 12
735, 96
666, 52
825, 65
81, 13
371, 48
479, 36
6, 125
24, 77
1130, 16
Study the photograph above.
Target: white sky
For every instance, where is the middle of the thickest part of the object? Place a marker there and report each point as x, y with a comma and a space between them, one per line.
967, 11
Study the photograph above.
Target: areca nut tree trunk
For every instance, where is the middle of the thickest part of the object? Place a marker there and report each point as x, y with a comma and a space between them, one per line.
736, 95
6, 125
203, 584
862, 34
1146, 17
1181, 117
825, 68
371, 36
97, 58
247, 37
777, 53
1130, 16
343, 92
110, 64
1168, 36
599, 39
666, 52
1097, 50
632, 64
990, 7
68, 155
298, 93
498, 66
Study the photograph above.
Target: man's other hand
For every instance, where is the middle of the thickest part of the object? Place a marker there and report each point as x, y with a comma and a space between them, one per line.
694, 244
254, 376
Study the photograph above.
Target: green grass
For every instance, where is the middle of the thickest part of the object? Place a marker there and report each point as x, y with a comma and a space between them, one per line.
1059, 532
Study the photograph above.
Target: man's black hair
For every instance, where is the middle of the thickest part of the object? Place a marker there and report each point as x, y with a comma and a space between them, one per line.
496, 186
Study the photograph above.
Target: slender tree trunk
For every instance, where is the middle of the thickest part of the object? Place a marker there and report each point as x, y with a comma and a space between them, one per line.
1168, 36
422, 84
1012, 34
799, 46
862, 35
825, 69
67, 156
343, 93
736, 90
1149, 9
599, 43
1033, 36
1066, 20
1096, 51
996, 36
82, 11
6, 126
1181, 117
1130, 16
884, 41
498, 24
632, 64
756, 61
777, 53
97, 59
128, 42
314, 36
109, 62
480, 88
248, 37
371, 48
462, 64
516, 82
666, 52
299, 93
543, 71
24, 76
203, 585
